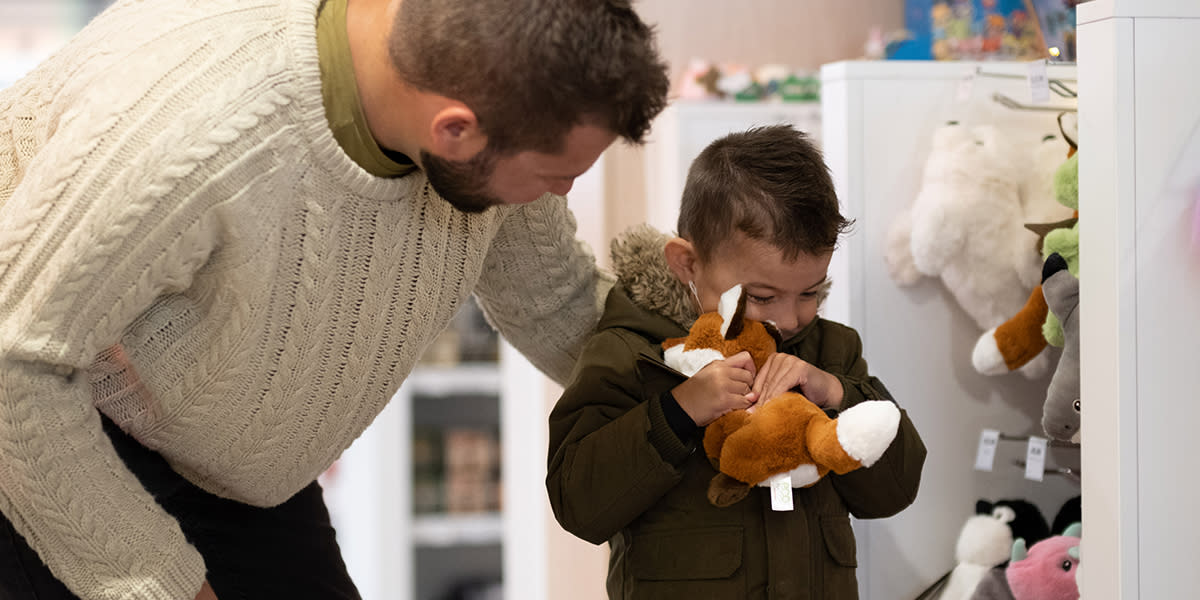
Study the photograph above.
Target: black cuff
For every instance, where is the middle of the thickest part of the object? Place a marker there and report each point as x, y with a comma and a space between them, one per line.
677, 418
670, 446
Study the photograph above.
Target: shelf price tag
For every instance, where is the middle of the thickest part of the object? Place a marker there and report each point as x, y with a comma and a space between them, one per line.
1035, 458
966, 85
985, 456
1039, 82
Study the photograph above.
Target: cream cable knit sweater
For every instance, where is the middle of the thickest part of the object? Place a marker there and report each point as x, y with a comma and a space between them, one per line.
168, 182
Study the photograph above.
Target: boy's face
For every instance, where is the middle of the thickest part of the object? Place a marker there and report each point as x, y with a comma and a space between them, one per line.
787, 293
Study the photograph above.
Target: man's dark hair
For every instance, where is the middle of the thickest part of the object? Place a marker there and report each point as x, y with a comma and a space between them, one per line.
771, 184
533, 69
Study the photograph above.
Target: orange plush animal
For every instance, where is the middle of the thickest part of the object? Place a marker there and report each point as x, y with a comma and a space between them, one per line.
784, 436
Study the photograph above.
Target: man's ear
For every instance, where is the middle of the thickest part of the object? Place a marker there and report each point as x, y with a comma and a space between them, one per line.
681, 258
455, 133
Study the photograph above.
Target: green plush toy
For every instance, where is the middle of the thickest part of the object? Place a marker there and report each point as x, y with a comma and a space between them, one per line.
1063, 241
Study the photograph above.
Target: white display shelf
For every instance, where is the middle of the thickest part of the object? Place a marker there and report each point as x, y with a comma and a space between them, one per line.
465, 378
444, 530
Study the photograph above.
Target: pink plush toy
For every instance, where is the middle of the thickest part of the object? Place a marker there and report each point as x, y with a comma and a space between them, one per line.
1047, 571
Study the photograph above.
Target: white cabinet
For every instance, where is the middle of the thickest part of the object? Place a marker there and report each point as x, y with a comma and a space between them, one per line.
1139, 280
417, 499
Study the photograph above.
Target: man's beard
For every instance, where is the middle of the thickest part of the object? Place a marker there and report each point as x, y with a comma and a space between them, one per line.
462, 183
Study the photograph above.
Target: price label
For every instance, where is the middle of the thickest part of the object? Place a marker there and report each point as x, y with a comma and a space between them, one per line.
966, 86
1039, 82
1035, 458
781, 492
985, 456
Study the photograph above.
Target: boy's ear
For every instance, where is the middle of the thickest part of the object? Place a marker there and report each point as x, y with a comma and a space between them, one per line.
681, 258
455, 133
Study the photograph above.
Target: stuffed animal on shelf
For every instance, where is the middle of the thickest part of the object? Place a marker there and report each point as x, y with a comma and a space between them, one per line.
1069, 513
1060, 413
784, 436
966, 224
986, 541
1047, 570
699, 81
1018, 343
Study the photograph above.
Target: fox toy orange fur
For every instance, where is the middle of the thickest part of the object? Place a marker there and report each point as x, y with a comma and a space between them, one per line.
780, 436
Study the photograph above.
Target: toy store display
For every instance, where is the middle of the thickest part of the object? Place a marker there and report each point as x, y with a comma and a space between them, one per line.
1022, 338
1007, 551
985, 542
706, 80
989, 30
995, 222
967, 224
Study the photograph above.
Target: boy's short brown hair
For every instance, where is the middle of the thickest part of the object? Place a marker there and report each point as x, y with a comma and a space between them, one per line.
533, 69
771, 184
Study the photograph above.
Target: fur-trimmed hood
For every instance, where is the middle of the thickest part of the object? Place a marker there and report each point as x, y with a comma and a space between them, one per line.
641, 268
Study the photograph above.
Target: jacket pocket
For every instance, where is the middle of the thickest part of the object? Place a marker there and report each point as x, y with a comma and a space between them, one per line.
839, 540
711, 553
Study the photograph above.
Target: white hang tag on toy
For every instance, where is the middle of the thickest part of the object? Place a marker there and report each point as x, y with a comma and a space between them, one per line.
985, 456
1039, 82
1035, 458
781, 492
966, 85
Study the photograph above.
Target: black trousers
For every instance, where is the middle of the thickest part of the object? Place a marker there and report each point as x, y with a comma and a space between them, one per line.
288, 551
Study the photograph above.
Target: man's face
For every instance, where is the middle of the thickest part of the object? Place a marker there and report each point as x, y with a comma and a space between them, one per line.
489, 179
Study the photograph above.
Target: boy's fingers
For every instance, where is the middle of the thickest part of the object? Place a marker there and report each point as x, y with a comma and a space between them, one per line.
742, 360
764, 375
742, 376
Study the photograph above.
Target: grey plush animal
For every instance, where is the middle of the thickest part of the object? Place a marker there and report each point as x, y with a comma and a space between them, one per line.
1060, 413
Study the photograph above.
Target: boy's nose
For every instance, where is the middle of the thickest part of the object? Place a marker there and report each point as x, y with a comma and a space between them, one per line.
787, 324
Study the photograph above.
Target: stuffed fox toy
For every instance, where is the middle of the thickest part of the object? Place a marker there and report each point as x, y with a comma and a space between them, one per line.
782, 436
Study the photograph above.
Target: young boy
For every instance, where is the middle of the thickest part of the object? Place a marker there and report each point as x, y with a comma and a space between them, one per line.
758, 209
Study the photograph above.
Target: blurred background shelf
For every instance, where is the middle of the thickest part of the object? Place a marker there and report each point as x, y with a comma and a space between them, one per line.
445, 530
465, 378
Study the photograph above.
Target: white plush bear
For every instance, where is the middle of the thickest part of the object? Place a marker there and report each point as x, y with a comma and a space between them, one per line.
967, 222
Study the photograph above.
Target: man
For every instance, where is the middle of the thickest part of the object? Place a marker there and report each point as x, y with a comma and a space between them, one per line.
229, 228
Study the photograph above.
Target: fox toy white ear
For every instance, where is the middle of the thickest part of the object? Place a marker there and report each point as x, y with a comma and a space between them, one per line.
731, 308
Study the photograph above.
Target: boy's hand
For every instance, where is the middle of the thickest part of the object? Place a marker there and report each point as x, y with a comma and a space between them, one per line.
784, 372
719, 387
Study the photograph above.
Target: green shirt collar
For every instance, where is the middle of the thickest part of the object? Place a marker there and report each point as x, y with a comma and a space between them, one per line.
343, 107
